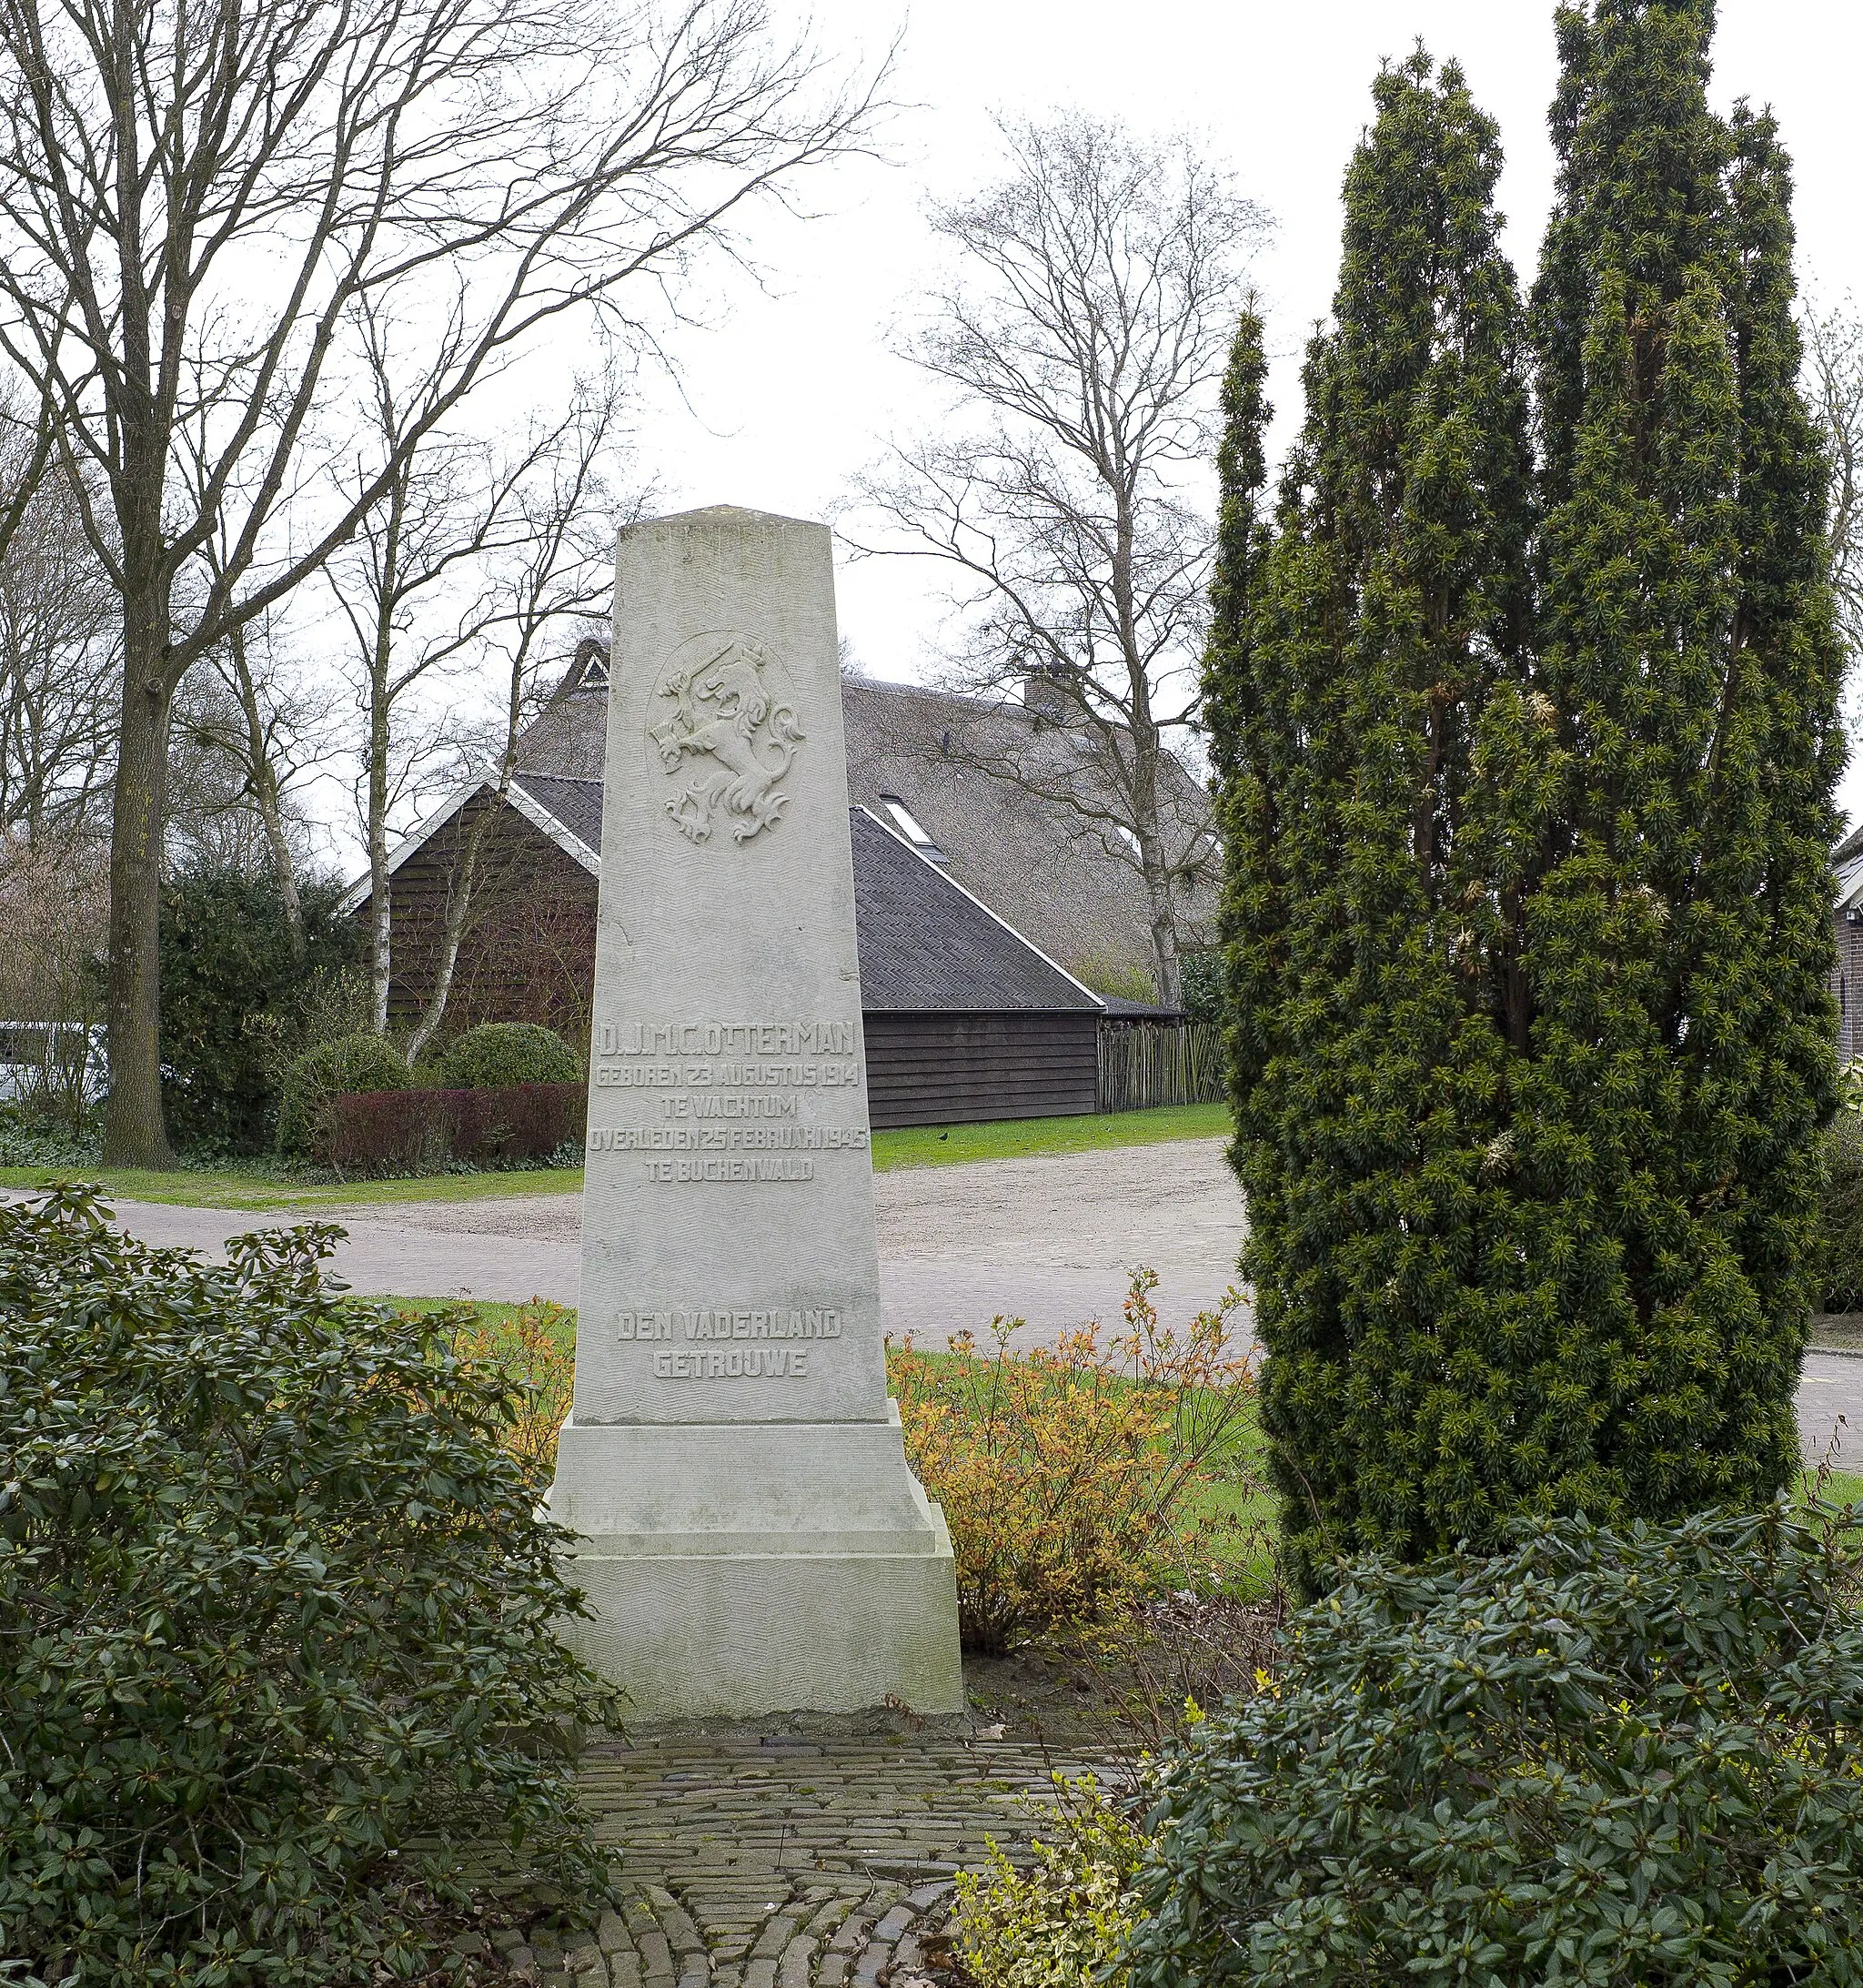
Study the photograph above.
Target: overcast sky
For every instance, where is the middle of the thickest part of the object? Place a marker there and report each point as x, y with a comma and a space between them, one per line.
791, 391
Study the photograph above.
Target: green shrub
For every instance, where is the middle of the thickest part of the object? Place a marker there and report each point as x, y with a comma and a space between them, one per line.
497, 1054
1203, 986
351, 1063
238, 1003
1065, 1921
1839, 1286
1068, 1477
278, 1616
1617, 1759
30, 1139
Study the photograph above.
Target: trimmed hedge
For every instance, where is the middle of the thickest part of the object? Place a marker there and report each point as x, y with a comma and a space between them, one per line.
351, 1063
279, 1618
411, 1132
1617, 1759
497, 1055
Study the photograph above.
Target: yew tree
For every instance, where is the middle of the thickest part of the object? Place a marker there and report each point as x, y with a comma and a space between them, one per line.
1526, 759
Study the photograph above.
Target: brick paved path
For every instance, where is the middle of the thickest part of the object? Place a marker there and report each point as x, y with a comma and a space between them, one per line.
817, 1863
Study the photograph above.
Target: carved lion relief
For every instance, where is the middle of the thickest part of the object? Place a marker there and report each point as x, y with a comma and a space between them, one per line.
733, 717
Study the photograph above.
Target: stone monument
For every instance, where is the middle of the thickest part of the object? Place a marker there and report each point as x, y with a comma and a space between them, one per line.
752, 1539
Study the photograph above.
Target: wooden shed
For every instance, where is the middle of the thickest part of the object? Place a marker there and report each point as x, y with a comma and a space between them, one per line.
964, 1018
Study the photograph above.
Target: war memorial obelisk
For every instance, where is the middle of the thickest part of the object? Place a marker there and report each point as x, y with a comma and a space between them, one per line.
752, 1538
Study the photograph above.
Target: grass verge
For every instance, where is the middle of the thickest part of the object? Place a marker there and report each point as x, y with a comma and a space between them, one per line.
266, 1189
1016, 1138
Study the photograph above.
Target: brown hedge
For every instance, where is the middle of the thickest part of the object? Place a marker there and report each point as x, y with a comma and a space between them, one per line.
411, 1132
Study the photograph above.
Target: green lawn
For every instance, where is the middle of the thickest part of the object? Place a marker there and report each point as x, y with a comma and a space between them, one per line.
262, 1188
266, 1188
562, 1319
944, 1145
1841, 1487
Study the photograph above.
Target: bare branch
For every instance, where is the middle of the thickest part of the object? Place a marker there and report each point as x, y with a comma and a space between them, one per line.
204, 207
1100, 283
1834, 370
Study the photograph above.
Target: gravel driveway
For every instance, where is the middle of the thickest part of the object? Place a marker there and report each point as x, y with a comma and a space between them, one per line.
1047, 1239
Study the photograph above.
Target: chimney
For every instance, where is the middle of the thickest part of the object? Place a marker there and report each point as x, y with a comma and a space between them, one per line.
1047, 694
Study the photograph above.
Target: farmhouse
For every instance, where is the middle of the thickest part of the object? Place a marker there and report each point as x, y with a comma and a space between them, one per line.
985, 911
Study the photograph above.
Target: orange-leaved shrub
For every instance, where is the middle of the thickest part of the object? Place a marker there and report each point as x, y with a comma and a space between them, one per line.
535, 1354
1064, 1473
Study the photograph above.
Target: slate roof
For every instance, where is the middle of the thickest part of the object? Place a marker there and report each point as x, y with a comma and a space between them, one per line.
1061, 878
1057, 877
575, 802
570, 735
927, 944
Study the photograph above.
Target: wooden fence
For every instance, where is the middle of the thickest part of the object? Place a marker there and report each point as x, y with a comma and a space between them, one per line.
1143, 1064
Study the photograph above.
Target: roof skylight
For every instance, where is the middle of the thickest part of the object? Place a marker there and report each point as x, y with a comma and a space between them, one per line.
912, 827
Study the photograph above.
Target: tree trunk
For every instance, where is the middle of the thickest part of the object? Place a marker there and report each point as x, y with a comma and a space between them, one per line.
1148, 828
134, 1131
1164, 951
460, 893
380, 904
271, 815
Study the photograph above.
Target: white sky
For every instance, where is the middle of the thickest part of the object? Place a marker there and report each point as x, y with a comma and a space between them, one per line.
791, 391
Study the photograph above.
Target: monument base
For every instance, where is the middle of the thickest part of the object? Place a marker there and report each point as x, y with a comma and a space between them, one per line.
738, 1568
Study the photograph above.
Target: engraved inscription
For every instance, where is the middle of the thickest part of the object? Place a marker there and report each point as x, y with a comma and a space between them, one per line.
660, 1077
745, 1362
729, 716
750, 1354
677, 1038
727, 1139
721, 1104
738, 1055
694, 1322
738, 1170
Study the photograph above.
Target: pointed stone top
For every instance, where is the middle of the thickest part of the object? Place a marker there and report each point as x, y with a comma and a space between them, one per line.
727, 514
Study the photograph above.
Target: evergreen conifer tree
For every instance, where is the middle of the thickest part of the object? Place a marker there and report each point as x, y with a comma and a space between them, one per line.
1345, 697
1679, 944
1527, 788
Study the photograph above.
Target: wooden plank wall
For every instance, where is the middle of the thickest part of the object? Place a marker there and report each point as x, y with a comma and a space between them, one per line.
926, 1068
528, 954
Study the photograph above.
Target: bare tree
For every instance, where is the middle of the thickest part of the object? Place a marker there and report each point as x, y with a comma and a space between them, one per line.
1085, 334
197, 203
272, 730
1834, 366
242, 736
52, 909
560, 568
249, 726
58, 660
471, 553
